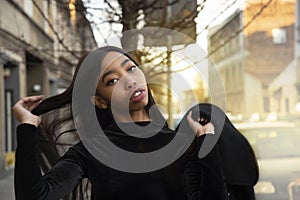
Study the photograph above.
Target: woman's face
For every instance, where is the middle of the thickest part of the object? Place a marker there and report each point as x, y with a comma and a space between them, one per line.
122, 85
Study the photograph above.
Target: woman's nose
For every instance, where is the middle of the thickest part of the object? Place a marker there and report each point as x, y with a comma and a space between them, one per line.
130, 84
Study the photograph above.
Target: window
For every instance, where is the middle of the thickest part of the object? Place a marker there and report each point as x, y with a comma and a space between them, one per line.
287, 105
279, 36
9, 141
266, 103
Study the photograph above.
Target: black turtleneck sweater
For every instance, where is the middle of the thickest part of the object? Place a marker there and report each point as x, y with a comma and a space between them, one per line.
188, 177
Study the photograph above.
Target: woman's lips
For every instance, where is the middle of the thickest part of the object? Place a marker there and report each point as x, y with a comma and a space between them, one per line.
138, 95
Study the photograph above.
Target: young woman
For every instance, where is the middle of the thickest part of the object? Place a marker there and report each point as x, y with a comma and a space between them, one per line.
121, 99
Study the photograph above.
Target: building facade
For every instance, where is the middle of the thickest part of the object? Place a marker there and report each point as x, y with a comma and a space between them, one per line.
253, 50
40, 44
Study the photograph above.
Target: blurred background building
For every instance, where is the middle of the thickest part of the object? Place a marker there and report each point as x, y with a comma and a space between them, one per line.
40, 43
254, 52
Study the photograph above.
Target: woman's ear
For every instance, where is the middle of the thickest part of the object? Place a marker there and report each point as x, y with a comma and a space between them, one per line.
100, 103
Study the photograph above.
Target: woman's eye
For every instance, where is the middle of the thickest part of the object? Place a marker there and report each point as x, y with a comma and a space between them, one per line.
132, 68
112, 81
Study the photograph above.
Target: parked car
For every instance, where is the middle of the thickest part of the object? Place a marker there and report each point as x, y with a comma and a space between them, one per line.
277, 148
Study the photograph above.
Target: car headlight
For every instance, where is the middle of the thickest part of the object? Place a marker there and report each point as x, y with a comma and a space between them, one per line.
264, 187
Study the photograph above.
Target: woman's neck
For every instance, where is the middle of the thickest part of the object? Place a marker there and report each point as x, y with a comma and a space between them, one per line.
135, 116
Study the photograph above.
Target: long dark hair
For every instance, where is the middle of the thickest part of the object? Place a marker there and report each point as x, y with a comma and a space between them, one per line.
57, 129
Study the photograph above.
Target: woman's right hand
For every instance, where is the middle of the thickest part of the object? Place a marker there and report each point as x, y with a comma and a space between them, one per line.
198, 128
22, 110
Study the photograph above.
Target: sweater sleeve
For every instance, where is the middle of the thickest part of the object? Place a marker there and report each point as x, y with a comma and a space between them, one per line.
29, 181
204, 176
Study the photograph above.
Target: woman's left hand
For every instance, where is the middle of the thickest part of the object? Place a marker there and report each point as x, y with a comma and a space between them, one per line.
22, 110
198, 128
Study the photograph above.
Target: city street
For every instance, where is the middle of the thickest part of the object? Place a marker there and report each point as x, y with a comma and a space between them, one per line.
104, 65
6, 185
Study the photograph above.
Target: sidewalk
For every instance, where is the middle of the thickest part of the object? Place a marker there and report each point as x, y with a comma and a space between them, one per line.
7, 185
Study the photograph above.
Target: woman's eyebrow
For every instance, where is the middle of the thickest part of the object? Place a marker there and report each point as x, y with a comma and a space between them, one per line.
124, 62
106, 74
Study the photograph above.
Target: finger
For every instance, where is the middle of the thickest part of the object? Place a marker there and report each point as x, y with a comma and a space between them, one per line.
34, 105
200, 130
209, 128
32, 98
19, 104
28, 102
189, 116
194, 125
31, 103
191, 122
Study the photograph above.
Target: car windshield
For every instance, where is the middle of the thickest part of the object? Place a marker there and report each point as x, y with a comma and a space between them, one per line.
274, 142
